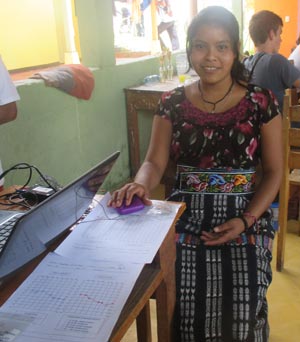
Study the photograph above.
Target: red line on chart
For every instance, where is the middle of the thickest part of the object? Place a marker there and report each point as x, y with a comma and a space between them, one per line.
94, 300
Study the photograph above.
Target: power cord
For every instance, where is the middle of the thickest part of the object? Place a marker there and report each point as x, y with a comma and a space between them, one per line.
25, 166
21, 197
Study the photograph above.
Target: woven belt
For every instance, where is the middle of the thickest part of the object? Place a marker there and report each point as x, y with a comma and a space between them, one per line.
215, 181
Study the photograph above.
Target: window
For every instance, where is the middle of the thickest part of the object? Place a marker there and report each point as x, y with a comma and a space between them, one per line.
137, 25
37, 33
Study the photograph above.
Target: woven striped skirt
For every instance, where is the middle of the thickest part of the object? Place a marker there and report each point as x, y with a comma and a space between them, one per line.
221, 291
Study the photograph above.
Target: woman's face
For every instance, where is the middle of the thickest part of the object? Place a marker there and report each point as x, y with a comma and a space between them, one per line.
212, 55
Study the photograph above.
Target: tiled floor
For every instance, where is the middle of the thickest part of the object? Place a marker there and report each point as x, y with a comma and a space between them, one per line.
283, 295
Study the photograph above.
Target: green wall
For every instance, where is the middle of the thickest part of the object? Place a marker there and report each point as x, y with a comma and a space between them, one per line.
64, 136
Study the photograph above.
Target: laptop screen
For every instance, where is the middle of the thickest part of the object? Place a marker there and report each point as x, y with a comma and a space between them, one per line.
47, 221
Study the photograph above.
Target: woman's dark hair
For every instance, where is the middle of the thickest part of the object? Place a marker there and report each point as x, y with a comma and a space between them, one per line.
220, 17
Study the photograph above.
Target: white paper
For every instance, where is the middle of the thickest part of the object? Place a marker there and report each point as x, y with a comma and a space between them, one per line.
77, 293
68, 301
12, 325
135, 237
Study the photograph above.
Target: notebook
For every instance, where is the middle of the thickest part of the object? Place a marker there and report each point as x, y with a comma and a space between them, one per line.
35, 229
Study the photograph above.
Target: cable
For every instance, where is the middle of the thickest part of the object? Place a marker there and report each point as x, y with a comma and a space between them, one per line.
21, 197
21, 166
18, 199
26, 166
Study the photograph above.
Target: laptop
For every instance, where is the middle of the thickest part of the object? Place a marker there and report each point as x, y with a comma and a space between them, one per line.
36, 229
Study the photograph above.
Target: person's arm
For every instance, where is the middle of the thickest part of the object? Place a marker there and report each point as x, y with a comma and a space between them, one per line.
297, 83
145, 4
271, 140
289, 72
8, 112
272, 165
8, 96
153, 167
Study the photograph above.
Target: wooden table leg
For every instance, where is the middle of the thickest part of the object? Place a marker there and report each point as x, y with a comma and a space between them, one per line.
165, 305
165, 294
143, 324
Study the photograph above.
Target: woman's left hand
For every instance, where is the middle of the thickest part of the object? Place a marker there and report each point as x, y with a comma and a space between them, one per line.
223, 233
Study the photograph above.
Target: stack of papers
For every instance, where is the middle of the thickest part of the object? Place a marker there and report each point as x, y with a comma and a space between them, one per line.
77, 293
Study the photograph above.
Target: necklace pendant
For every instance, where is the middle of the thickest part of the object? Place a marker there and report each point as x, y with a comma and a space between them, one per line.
214, 104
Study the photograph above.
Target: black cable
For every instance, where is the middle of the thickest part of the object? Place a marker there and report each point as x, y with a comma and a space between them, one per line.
25, 166
20, 197
44, 178
19, 166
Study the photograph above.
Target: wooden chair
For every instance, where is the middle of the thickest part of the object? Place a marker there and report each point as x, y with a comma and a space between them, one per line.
291, 161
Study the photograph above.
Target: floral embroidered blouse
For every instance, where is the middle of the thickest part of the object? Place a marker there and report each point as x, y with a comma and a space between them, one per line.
230, 139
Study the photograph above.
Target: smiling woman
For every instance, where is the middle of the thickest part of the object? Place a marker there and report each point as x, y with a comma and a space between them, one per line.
217, 132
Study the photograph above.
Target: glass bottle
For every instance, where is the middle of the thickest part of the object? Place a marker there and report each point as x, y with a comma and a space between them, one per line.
169, 72
162, 73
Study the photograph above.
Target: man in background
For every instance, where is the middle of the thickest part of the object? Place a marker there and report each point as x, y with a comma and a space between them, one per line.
165, 22
267, 68
8, 98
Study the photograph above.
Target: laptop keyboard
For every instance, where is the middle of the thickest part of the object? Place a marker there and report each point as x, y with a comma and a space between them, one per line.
6, 228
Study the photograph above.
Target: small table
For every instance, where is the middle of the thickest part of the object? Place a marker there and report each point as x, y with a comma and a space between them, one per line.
143, 97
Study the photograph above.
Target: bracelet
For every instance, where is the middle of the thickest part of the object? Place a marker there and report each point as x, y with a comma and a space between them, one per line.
248, 214
246, 226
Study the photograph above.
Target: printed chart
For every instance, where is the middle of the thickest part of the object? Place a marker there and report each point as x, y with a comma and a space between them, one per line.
71, 301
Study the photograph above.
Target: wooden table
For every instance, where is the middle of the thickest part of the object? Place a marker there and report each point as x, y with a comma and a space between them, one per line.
157, 280
139, 98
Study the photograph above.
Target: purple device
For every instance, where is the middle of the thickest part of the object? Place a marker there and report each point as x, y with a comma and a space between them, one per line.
135, 205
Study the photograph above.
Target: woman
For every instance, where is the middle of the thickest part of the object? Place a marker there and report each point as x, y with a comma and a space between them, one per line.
217, 131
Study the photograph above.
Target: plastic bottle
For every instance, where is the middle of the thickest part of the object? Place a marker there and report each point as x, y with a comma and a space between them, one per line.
275, 210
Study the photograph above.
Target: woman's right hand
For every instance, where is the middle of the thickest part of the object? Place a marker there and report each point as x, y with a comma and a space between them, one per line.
126, 193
